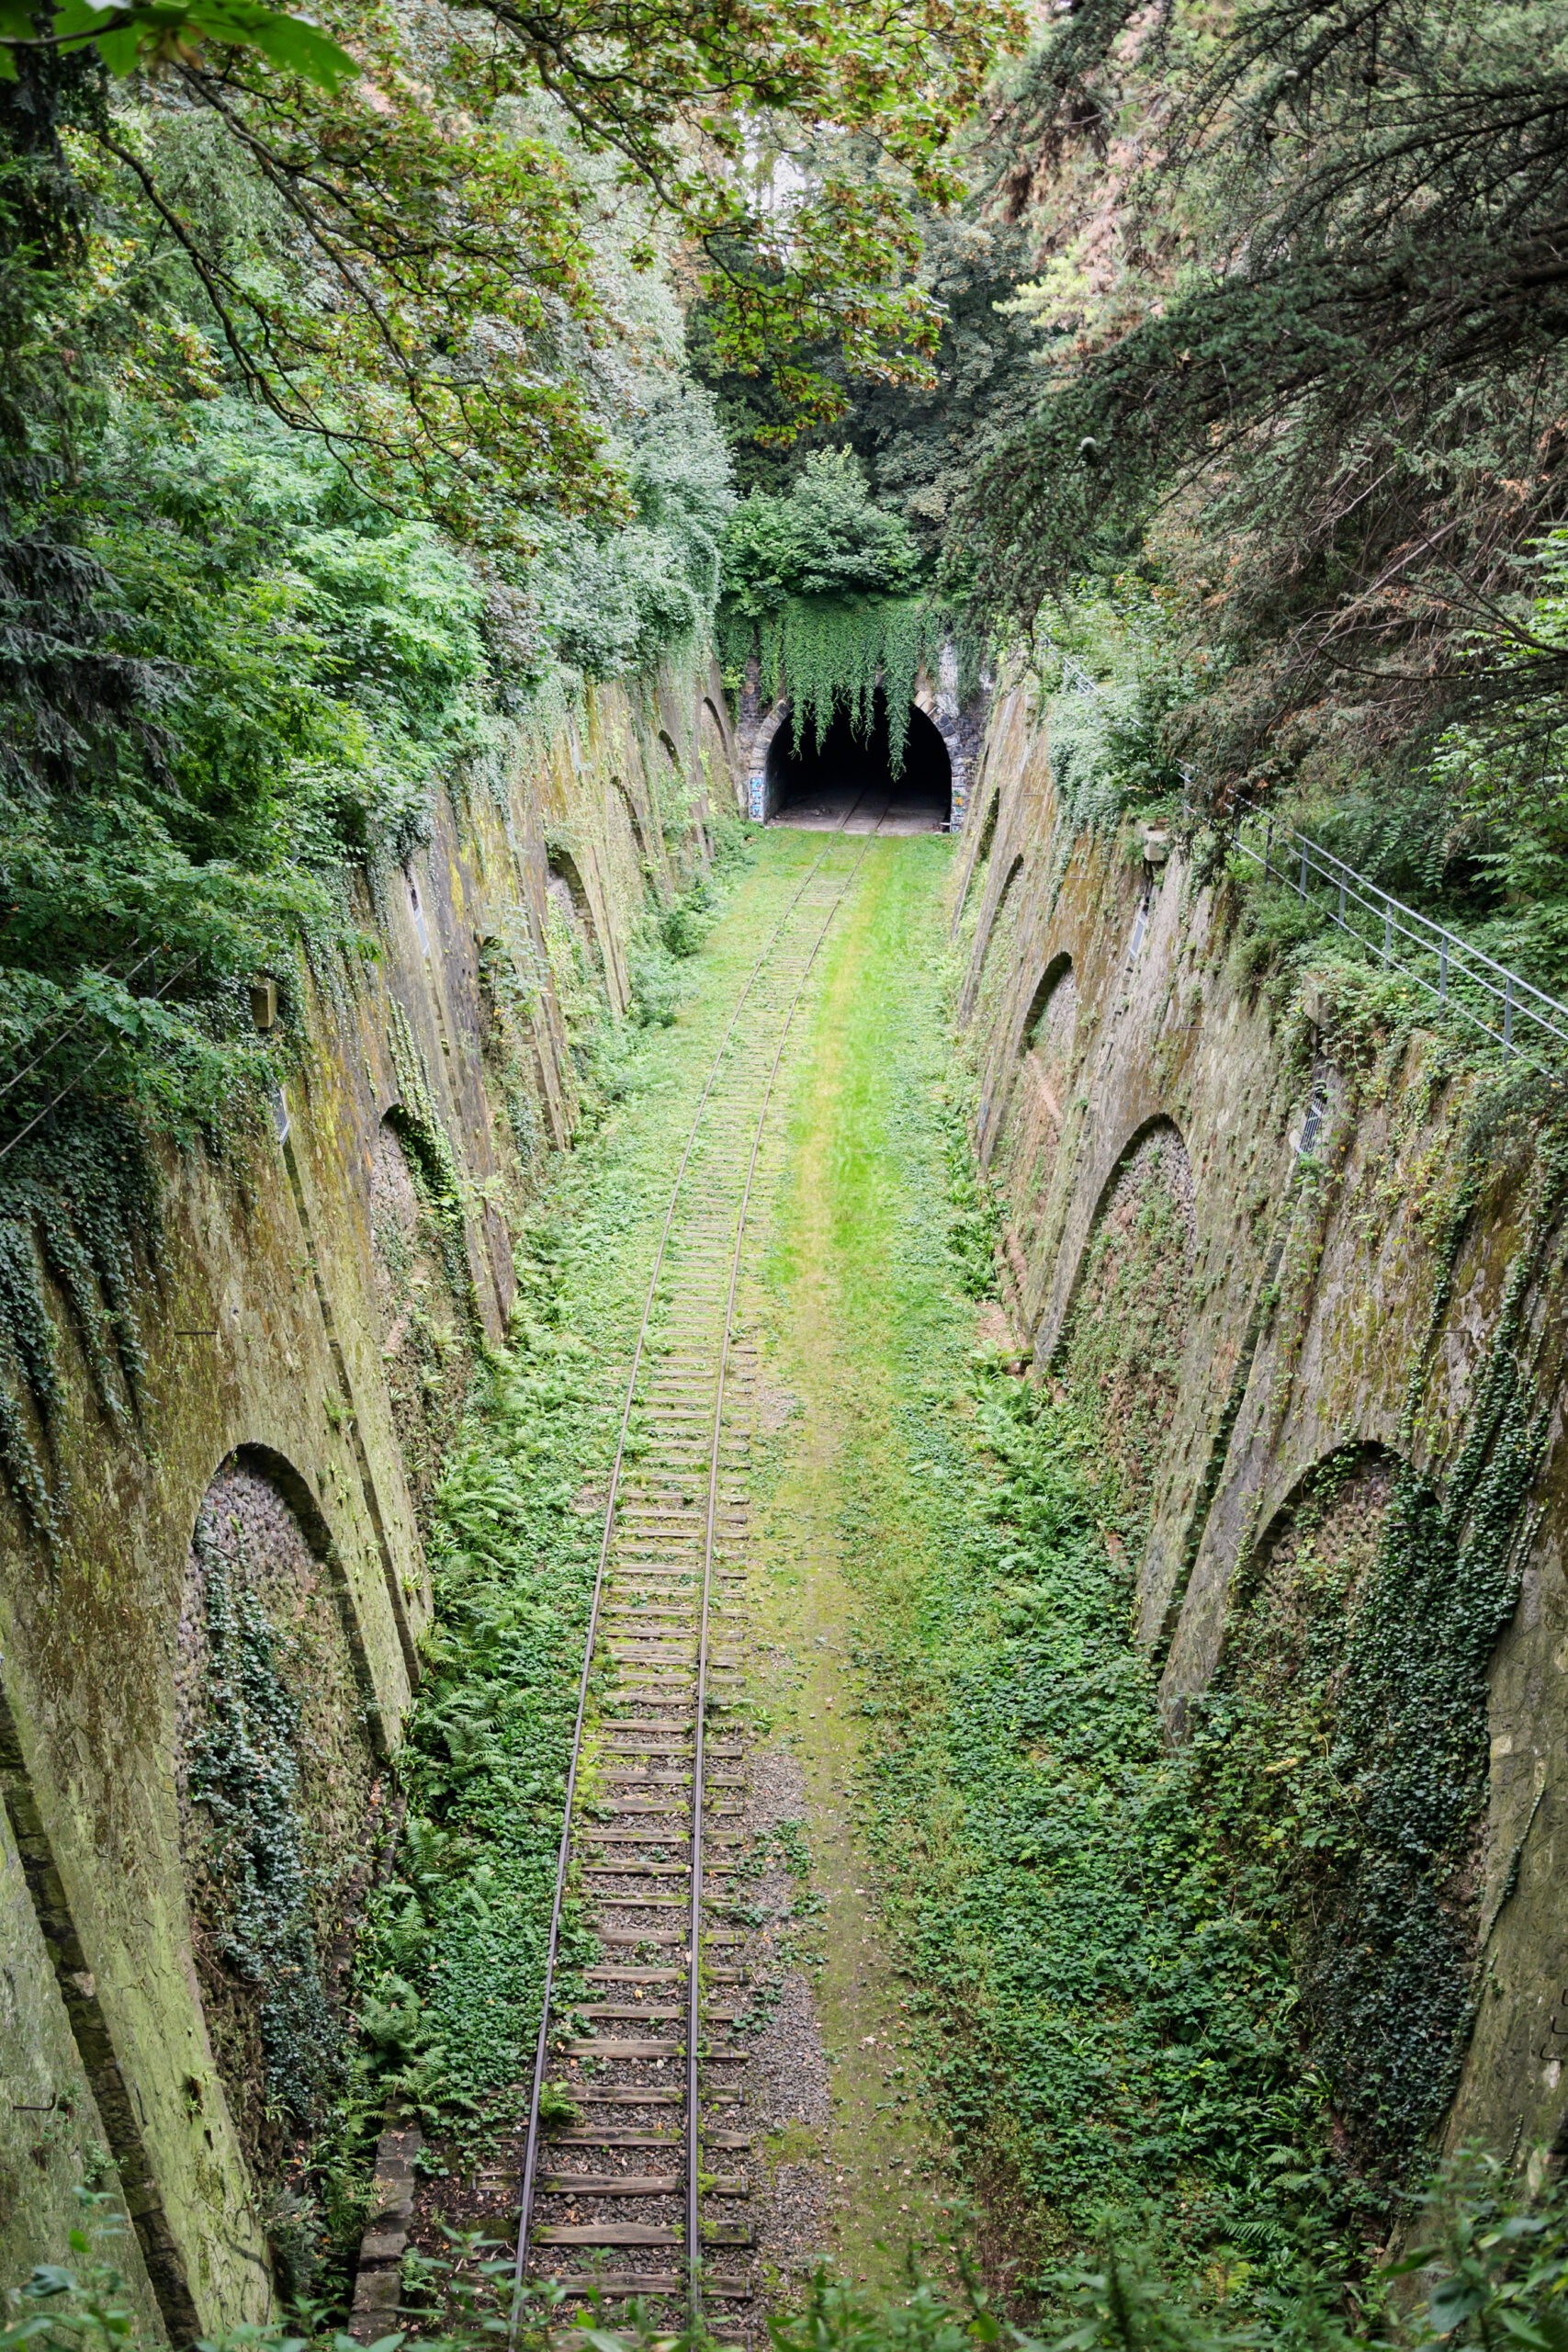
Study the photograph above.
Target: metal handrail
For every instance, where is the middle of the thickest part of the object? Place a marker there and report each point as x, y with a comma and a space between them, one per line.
1294, 859
1301, 860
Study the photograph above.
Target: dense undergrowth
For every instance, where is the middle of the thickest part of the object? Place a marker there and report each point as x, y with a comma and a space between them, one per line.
450, 1959
1209, 1998
1222, 1991
1226, 1988
1494, 2271
1107, 2012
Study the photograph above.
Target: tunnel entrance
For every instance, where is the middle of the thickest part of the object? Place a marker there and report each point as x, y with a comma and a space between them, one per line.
850, 780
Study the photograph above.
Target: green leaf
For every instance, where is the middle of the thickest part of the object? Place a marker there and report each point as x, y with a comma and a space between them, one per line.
49, 2278
1523, 2331
125, 37
293, 43
1455, 2300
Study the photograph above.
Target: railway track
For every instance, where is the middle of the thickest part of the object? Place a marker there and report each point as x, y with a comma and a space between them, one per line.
644, 2192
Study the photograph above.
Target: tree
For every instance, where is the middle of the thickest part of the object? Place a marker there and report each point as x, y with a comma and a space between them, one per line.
1303, 298
414, 242
828, 537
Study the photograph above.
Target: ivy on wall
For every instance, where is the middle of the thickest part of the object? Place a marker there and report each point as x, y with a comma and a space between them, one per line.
76, 1204
245, 1776
1345, 1743
427, 1342
431, 1158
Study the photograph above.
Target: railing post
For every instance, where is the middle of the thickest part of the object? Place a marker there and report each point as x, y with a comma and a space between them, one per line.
1421, 931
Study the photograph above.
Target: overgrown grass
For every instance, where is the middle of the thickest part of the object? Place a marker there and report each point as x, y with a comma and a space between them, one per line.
1106, 2011
450, 1966
1100, 1963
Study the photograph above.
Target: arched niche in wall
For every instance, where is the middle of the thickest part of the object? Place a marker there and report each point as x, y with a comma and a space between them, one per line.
567, 894
982, 841
723, 791
584, 961
1351, 1711
1024, 1156
988, 933
1119, 1352
514, 1035
420, 1266
281, 1800
1310, 1566
680, 800
646, 858
987, 834
983, 946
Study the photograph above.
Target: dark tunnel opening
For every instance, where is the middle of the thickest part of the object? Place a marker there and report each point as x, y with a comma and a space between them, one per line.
849, 779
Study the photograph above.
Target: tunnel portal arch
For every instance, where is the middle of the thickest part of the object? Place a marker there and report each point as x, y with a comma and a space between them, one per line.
788, 774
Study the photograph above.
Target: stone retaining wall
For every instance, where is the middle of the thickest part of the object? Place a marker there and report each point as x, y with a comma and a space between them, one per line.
1320, 1311
276, 1340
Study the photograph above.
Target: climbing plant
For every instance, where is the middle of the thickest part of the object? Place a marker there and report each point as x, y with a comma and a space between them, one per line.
821, 587
78, 1202
245, 1778
830, 653
1346, 1747
431, 1158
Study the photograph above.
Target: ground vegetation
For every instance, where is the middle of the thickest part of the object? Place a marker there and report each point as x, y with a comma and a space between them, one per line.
1101, 1940
1497, 2269
449, 1961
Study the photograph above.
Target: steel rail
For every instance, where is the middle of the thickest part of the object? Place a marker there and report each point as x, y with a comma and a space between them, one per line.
541, 2051
693, 1981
